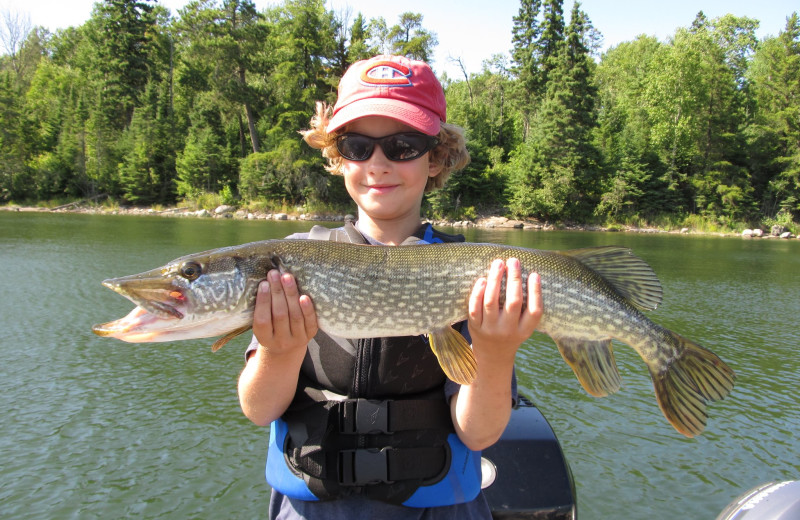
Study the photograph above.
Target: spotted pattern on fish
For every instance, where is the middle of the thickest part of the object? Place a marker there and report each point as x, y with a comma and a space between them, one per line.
590, 297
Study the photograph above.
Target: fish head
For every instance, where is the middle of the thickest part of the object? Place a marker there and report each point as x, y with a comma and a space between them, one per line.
195, 296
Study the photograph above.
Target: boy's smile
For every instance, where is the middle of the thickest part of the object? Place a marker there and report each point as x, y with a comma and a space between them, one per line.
381, 189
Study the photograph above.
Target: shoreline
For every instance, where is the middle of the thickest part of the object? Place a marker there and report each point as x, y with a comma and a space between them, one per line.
484, 222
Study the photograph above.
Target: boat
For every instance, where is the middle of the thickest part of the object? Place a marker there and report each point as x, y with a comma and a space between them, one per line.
525, 475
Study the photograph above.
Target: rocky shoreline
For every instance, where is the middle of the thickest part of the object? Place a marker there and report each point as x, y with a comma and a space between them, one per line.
487, 222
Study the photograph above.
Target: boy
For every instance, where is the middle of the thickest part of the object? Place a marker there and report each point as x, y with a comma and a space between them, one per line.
387, 136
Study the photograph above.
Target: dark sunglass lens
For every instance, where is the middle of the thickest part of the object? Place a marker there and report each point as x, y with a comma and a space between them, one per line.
405, 147
355, 147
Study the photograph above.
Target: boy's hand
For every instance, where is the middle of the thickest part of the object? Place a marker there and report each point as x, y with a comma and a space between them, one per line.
498, 330
283, 320
481, 410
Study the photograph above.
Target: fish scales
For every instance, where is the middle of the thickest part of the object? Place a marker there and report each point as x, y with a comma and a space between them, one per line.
439, 280
590, 297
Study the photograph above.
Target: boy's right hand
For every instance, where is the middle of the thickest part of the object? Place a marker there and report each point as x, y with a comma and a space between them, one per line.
283, 319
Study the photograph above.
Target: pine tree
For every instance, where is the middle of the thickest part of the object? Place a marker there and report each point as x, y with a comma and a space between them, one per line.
205, 165
554, 172
551, 38
149, 145
13, 173
409, 38
525, 56
222, 48
630, 188
121, 39
775, 134
359, 48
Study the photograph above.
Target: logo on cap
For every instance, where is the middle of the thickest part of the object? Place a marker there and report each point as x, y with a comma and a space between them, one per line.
386, 74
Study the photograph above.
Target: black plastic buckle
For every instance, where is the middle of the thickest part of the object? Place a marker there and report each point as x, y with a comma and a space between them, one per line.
363, 467
364, 416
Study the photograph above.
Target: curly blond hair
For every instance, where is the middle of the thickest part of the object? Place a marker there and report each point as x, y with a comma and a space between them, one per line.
451, 152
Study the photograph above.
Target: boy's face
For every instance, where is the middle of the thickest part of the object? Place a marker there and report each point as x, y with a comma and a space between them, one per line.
383, 189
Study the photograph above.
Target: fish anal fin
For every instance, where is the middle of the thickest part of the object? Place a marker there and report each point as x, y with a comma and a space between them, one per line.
628, 274
593, 363
454, 355
221, 342
685, 387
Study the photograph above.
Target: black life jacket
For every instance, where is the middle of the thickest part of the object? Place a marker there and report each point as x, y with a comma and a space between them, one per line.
370, 417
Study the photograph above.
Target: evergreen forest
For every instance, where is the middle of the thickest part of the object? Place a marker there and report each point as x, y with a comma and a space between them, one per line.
146, 107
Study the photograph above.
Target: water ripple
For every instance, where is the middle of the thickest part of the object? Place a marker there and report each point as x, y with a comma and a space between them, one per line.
95, 428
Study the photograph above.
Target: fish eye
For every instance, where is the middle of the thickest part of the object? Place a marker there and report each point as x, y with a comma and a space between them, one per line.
191, 270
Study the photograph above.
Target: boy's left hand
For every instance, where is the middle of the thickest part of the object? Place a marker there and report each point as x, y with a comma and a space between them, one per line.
499, 328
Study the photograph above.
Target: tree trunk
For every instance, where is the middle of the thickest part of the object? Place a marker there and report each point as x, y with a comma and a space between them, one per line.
251, 123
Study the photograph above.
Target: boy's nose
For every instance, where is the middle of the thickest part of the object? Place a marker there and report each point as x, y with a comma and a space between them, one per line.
378, 163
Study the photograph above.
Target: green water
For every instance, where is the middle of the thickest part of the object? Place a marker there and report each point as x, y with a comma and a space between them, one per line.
97, 428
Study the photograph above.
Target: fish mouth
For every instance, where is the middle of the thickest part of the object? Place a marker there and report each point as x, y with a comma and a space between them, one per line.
156, 310
138, 326
157, 299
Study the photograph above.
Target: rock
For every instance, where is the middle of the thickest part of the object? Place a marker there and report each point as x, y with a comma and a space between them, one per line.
787, 234
221, 210
280, 216
686, 230
747, 233
758, 232
202, 213
493, 222
777, 230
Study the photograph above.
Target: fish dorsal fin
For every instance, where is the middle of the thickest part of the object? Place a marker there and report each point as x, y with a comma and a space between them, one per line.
632, 278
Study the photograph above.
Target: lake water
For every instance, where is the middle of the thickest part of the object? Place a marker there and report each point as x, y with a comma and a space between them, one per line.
97, 428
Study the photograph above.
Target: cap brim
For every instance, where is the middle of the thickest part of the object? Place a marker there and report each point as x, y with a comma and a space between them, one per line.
426, 121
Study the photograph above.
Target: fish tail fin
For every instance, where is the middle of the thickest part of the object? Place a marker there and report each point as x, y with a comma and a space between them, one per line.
695, 377
454, 354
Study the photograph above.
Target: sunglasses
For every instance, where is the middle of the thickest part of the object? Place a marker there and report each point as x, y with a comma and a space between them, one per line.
405, 146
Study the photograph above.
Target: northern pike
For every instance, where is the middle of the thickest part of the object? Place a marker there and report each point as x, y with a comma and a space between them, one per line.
590, 297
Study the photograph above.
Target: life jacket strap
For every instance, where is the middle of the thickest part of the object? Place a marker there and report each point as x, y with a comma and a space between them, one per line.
365, 466
362, 467
366, 416
339, 457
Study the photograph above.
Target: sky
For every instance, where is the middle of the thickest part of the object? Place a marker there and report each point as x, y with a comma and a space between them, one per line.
475, 30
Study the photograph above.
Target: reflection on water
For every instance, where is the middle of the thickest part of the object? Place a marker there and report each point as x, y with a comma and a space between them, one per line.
96, 428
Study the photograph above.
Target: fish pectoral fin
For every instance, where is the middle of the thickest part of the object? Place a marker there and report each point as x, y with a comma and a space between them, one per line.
454, 355
229, 336
593, 363
688, 383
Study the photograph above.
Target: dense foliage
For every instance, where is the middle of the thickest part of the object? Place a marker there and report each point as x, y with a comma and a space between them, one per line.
150, 108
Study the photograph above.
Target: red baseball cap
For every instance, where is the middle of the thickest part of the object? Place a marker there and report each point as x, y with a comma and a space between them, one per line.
391, 86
